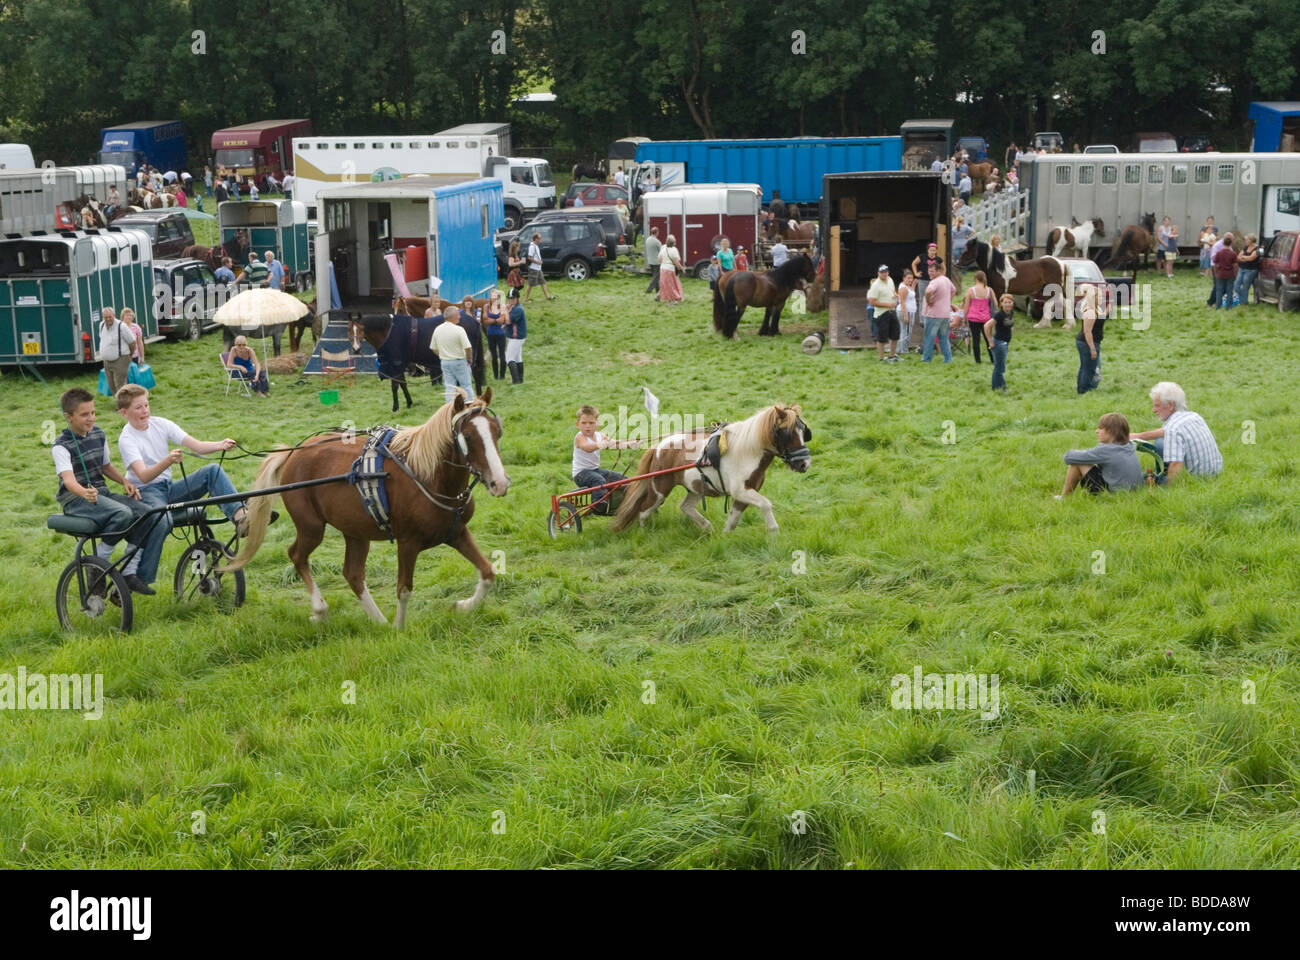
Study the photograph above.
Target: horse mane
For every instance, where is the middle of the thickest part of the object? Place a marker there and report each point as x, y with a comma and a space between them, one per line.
790, 271
425, 446
758, 433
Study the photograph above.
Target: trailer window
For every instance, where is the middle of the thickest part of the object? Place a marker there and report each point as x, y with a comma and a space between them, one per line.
1132, 173
1226, 171
135, 252
485, 220
112, 257
1155, 173
358, 146
470, 144
1202, 173
413, 145
340, 146
1109, 173
376, 146
396, 145
1178, 173
452, 144
1062, 174
434, 145
1087, 174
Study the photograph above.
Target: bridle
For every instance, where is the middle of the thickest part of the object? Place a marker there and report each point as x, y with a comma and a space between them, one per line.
801, 453
461, 445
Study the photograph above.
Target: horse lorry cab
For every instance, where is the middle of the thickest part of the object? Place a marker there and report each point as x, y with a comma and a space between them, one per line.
55, 286
276, 225
258, 150
700, 217
872, 218
159, 143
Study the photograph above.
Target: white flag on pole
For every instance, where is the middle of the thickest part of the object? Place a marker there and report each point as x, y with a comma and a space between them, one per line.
651, 402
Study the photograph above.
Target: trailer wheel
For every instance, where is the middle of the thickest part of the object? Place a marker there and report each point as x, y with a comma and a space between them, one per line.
701, 271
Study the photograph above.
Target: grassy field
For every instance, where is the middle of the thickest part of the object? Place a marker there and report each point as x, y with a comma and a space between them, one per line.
669, 699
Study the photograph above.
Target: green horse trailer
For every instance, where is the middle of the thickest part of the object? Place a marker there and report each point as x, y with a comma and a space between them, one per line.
54, 287
278, 225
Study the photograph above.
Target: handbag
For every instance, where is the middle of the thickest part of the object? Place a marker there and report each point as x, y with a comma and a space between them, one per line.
142, 374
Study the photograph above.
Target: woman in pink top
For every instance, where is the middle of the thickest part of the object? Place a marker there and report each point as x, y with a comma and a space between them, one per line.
137, 349
978, 309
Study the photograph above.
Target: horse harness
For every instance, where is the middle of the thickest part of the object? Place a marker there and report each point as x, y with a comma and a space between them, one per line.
368, 475
715, 448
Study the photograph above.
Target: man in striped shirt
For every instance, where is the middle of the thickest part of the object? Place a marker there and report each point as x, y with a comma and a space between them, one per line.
1184, 441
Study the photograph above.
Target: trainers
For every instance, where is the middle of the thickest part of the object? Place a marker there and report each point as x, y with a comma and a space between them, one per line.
139, 586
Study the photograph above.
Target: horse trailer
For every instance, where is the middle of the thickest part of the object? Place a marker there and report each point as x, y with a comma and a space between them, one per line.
452, 222
872, 218
1255, 193
44, 198
276, 225
159, 143
54, 286
700, 217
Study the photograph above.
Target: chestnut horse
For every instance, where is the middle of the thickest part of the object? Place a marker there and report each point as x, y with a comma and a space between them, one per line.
979, 174
298, 328
738, 289
1020, 277
745, 451
430, 505
236, 248
804, 232
1134, 241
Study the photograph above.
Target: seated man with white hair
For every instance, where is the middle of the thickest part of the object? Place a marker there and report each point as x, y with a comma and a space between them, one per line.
1185, 441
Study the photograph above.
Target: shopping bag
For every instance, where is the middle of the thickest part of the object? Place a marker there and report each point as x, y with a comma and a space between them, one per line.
103, 383
142, 374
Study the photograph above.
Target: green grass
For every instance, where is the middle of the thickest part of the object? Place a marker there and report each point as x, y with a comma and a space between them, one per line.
1121, 691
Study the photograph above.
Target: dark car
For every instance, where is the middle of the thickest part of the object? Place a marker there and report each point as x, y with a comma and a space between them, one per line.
185, 298
169, 230
1195, 143
1279, 269
618, 232
571, 247
595, 193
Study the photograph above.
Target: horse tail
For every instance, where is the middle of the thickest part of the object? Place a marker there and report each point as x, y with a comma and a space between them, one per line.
719, 307
731, 320
641, 496
259, 511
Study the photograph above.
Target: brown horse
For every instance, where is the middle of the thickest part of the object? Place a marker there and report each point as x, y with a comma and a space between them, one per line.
1020, 277
298, 328
745, 451
428, 506
800, 232
1134, 242
415, 306
236, 248
738, 289
979, 174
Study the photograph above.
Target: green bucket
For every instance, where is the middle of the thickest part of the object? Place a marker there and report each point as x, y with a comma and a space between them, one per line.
329, 397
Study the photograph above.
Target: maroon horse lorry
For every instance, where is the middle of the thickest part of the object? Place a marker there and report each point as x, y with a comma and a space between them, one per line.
257, 149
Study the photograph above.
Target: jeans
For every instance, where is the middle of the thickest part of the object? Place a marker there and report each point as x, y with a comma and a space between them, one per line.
1088, 373
936, 327
1222, 291
210, 480
871, 321
1245, 282
456, 373
1000, 348
115, 511
904, 334
596, 477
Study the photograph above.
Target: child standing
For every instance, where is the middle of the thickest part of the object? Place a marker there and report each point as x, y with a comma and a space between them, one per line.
999, 342
1111, 465
587, 471
82, 460
496, 334
516, 331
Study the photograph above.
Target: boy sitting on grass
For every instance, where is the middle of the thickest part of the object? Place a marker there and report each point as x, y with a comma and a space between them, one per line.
143, 444
1111, 465
587, 471
82, 459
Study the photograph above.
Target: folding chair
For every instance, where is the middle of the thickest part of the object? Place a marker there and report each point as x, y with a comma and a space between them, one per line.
959, 337
340, 365
1156, 473
233, 377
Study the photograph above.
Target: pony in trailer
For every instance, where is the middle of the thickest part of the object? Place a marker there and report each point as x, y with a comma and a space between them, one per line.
429, 473
1077, 237
730, 462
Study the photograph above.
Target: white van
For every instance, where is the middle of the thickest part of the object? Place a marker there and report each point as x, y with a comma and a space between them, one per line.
16, 156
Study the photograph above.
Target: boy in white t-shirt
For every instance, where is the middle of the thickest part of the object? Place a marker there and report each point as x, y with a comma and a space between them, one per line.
587, 471
144, 443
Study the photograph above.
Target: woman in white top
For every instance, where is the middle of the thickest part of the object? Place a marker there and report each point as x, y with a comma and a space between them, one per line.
670, 261
906, 311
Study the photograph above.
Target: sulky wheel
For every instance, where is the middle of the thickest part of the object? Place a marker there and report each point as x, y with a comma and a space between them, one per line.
196, 576
90, 592
563, 519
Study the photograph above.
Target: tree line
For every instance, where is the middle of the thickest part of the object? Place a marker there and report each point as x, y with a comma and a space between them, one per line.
1097, 71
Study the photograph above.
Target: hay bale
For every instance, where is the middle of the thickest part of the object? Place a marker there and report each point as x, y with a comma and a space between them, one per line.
286, 363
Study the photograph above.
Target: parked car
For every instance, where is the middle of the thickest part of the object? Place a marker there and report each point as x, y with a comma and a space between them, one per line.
1115, 291
1048, 140
1160, 142
1195, 143
1101, 148
572, 247
185, 297
595, 193
618, 232
169, 230
1279, 271
976, 147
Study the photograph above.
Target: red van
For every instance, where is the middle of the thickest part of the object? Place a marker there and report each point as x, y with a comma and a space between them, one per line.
1279, 271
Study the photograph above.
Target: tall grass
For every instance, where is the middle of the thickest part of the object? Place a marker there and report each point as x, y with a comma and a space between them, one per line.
528, 733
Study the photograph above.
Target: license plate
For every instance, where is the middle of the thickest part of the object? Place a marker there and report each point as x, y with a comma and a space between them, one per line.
31, 346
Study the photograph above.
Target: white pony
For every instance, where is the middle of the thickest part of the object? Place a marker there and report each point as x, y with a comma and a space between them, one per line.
1079, 236
735, 462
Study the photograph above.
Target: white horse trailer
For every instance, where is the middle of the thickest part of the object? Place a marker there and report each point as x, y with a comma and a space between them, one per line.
1255, 193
